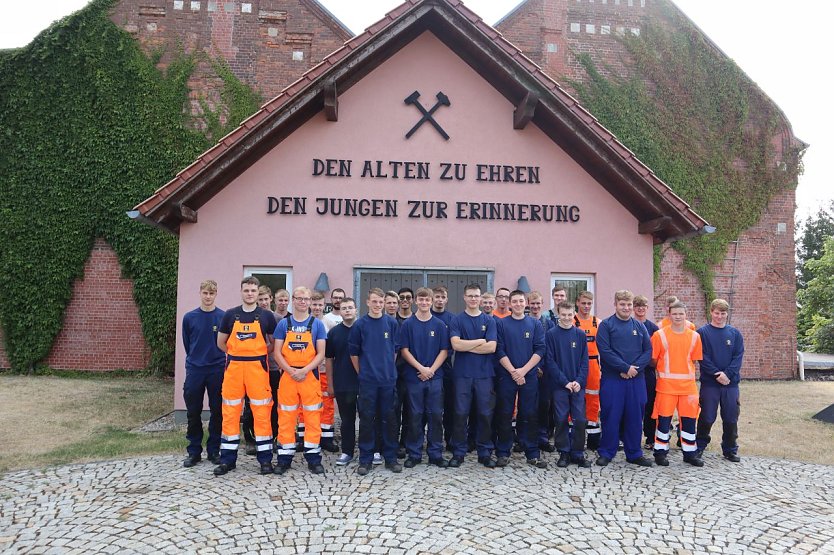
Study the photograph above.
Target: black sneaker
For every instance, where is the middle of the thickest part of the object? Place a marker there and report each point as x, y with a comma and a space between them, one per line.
394, 467
411, 463
364, 469
267, 468
455, 462
439, 463
640, 461
191, 460
732, 457
564, 460
222, 469
501, 462
214, 459
661, 460
281, 469
538, 463
603, 461
694, 460
488, 462
316, 468
581, 462
547, 447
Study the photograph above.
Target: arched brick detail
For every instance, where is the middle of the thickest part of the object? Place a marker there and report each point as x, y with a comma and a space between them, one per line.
101, 330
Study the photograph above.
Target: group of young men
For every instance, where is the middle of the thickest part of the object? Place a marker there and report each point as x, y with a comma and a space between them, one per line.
504, 375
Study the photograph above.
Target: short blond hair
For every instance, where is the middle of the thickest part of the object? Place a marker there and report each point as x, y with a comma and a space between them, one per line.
317, 296
534, 295
623, 295
720, 305
641, 300
209, 285
586, 294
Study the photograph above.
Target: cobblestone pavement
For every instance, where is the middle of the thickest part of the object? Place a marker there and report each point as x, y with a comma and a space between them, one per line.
154, 505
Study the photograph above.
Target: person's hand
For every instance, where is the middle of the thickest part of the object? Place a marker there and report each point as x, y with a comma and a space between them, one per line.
722, 378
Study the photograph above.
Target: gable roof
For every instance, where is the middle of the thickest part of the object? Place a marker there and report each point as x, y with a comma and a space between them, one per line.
327, 17
537, 97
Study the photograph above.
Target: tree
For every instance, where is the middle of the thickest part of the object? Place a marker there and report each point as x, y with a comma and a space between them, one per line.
815, 230
817, 302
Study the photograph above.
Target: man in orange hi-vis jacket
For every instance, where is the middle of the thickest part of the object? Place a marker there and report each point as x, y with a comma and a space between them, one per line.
588, 323
244, 336
299, 350
675, 349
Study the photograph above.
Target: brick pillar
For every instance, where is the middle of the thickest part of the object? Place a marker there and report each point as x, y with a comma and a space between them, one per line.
101, 330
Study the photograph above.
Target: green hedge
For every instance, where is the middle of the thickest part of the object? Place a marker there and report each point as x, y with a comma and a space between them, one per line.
89, 127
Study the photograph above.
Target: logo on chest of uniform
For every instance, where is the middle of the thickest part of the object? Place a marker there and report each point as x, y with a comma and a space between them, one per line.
214, 329
573, 344
526, 335
245, 327
634, 333
241, 336
298, 337
483, 327
729, 343
385, 335
431, 333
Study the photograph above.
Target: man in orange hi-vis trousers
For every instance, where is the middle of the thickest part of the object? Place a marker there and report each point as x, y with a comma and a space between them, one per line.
588, 323
244, 336
299, 350
674, 351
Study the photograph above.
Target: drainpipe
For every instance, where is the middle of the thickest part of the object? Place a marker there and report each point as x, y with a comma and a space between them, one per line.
801, 359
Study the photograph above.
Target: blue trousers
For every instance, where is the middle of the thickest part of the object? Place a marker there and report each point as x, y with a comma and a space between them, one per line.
197, 383
347, 402
376, 408
481, 393
567, 404
727, 397
622, 403
526, 418
424, 402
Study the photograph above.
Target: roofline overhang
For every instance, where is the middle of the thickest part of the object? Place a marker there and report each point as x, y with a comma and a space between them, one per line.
500, 63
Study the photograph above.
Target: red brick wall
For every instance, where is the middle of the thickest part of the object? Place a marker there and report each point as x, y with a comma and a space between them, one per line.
763, 292
101, 330
256, 38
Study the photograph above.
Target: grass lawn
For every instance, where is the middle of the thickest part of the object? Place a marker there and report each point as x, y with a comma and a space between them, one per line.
59, 420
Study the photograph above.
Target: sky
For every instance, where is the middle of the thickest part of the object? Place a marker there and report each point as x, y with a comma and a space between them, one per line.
780, 45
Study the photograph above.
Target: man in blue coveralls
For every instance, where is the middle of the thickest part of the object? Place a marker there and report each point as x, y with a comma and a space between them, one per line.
625, 350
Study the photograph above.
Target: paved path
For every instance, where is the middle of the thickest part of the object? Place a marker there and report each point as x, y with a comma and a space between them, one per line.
154, 505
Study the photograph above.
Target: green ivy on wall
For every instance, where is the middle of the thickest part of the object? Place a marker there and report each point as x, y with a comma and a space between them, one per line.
89, 127
692, 116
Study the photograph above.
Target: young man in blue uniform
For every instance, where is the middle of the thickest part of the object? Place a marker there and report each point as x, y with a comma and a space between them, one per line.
474, 339
440, 298
625, 350
723, 348
566, 374
204, 364
519, 350
641, 309
424, 345
372, 345
342, 380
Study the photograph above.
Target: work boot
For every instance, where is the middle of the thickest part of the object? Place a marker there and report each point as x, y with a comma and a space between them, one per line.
394, 467
439, 463
564, 460
223, 468
603, 461
640, 461
329, 445
581, 462
538, 463
487, 461
364, 469
251, 449
455, 462
267, 468
411, 462
661, 460
732, 457
694, 460
281, 469
501, 462
316, 468
191, 460
547, 447
214, 458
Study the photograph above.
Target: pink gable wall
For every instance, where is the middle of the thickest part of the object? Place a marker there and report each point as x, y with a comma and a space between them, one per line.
234, 229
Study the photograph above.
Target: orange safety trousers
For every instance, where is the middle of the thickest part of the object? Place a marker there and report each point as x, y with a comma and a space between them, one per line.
299, 397
246, 378
592, 393
328, 412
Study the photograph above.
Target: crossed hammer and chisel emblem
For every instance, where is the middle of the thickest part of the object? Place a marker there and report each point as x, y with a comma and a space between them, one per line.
428, 115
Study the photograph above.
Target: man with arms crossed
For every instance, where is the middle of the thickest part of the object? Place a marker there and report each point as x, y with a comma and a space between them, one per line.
204, 363
373, 352
566, 372
300, 342
519, 351
341, 378
424, 345
675, 350
720, 374
625, 349
244, 337
474, 338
